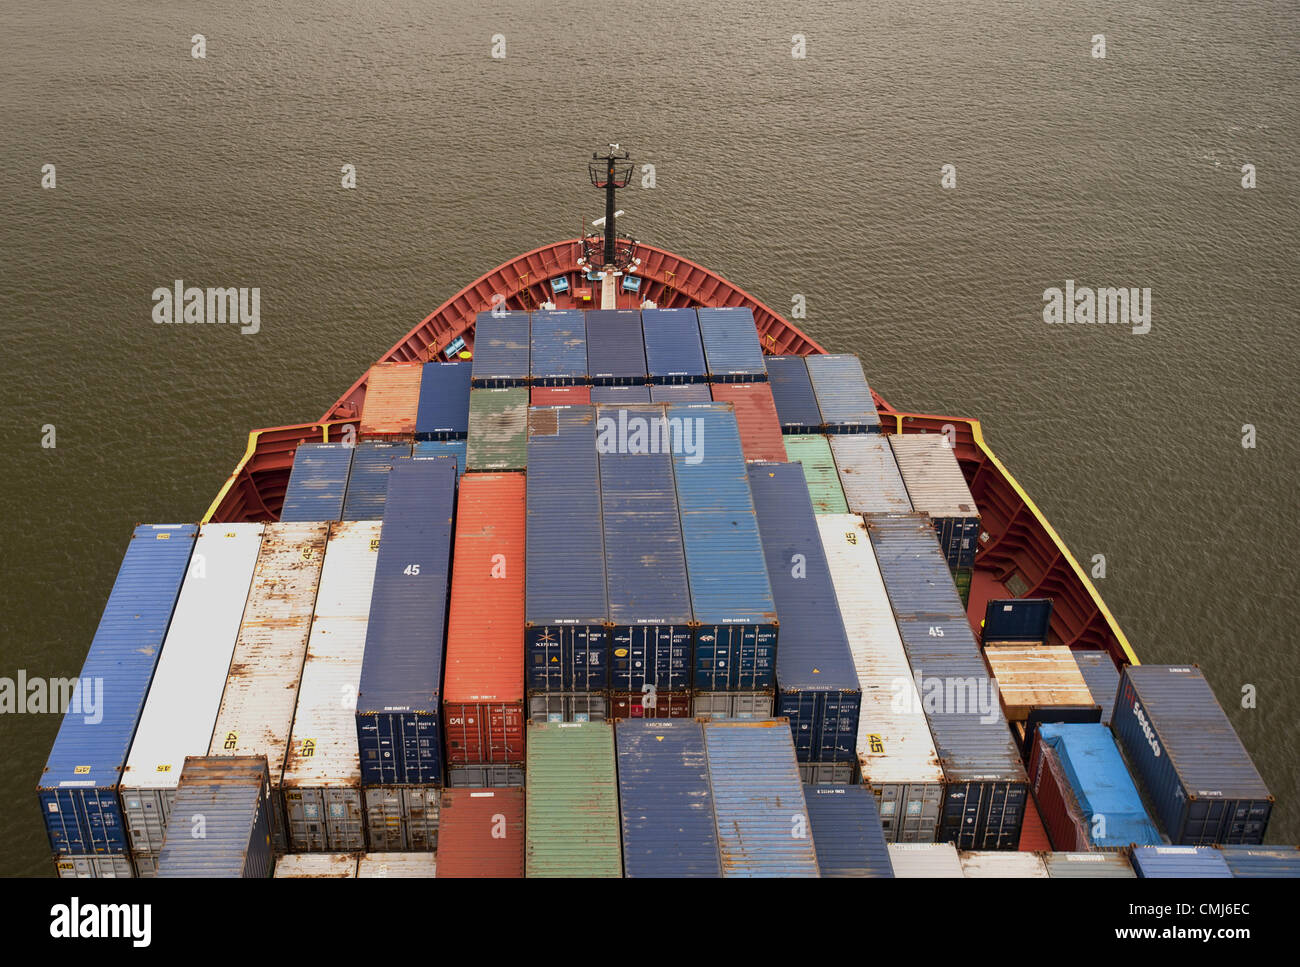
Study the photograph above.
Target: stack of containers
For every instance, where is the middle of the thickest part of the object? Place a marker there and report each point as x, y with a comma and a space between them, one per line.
813, 452
843, 396
186, 692
896, 755
392, 400
681, 393
1005, 865
572, 801
500, 349
368, 481
397, 866
731, 350
566, 615
498, 423
868, 474
481, 834
78, 789
938, 488
221, 820
483, 693
317, 482
645, 567
762, 819
398, 712
731, 596
1180, 863
1199, 777
817, 687
1099, 671
792, 393
925, 861
760, 429
1091, 866
986, 785
257, 708
847, 832
559, 395
317, 866
669, 829
559, 348
673, 352
620, 394
443, 412
615, 351
1262, 862
322, 773
455, 450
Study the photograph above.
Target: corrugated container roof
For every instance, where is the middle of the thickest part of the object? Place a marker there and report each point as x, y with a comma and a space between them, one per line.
559, 346
1180, 862
672, 345
186, 692
443, 409
573, 821
323, 744
792, 393
262, 690
317, 482
915, 571
559, 395
932, 475
760, 430
620, 394
925, 860
226, 796
843, 395
1088, 865
762, 818
1262, 861
669, 828
437, 449
1102, 676
681, 393
615, 351
501, 348
481, 833
813, 452
846, 830
485, 631
869, 474
498, 423
368, 482
328, 866
1001, 865
392, 398
395, 866
731, 349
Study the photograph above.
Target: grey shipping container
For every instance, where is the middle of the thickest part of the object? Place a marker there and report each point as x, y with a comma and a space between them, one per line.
402, 817
937, 487
732, 705
847, 832
731, 348
568, 707
1102, 676
115, 866
843, 395
1092, 866
869, 474
220, 824
368, 482
615, 350
317, 482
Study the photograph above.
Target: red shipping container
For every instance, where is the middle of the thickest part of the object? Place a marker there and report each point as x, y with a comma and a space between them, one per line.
392, 397
481, 833
760, 427
559, 396
483, 690
1033, 837
631, 705
1059, 810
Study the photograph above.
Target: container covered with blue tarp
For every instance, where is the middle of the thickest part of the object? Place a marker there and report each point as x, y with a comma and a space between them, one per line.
731, 349
847, 832
615, 352
559, 348
317, 482
843, 396
368, 482
443, 411
673, 351
501, 349
1180, 863
792, 391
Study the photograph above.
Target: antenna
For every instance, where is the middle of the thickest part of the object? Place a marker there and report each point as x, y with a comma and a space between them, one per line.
610, 171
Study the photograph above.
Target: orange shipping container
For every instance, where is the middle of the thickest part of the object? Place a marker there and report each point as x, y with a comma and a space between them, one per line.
392, 398
760, 427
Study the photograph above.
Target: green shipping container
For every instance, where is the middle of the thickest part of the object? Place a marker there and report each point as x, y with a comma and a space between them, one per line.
962, 578
498, 429
572, 802
814, 452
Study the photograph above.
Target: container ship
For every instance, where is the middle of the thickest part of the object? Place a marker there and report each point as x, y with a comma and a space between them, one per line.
607, 569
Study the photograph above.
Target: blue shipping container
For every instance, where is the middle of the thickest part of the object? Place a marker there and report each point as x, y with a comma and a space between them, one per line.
1262, 862
817, 686
681, 393
673, 351
846, 831
368, 482
78, 787
500, 349
566, 616
559, 348
792, 390
669, 828
458, 450
399, 731
620, 394
1180, 862
843, 396
731, 596
229, 798
317, 482
443, 411
731, 350
615, 352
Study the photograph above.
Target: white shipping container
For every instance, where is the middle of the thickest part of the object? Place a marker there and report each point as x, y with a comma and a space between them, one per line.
322, 774
932, 474
1001, 865
732, 705
185, 695
116, 866
395, 865
1089, 865
262, 689
869, 474
331, 866
913, 861
896, 753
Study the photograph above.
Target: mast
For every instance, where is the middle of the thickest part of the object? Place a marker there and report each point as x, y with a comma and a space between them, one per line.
610, 171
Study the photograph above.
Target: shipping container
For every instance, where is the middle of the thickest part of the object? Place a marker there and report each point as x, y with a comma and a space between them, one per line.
673, 351
78, 787
566, 624
792, 392
896, 754
847, 832
760, 430
402, 817
681, 393
483, 692
559, 348
317, 866
731, 350
816, 685
317, 482
559, 395
568, 707
762, 818
1038, 682
398, 708
1016, 621
936, 486
868, 474
392, 399
443, 410
1099, 671
1180, 862
110, 866
843, 396
667, 809
645, 567
732, 705
572, 801
500, 349
620, 394
1199, 777
651, 705
1002, 865
731, 596
185, 695
1262, 862
1091, 866
813, 452
221, 820
498, 424
615, 351
482, 834
925, 861
368, 482
485, 777
394, 866
455, 450
322, 773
